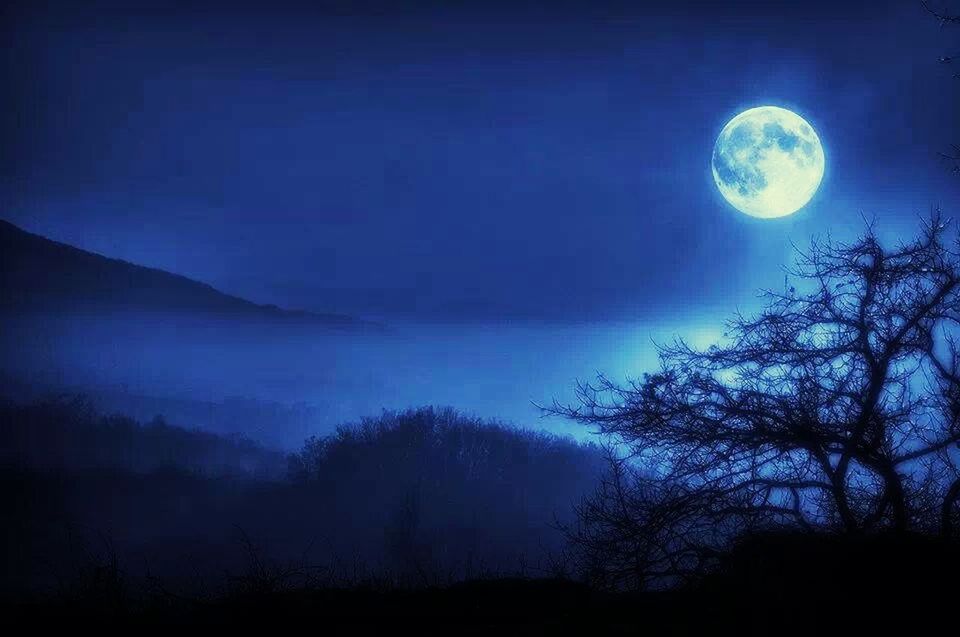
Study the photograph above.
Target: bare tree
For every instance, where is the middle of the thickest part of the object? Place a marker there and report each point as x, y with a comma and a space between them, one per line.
837, 408
946, 17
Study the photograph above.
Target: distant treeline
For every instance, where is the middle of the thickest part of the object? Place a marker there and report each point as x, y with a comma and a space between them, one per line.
270, 423
422, 497
68, 434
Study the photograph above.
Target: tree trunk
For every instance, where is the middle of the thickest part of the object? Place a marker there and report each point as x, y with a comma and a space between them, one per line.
946, 510
843, 506
838, 488
896, 497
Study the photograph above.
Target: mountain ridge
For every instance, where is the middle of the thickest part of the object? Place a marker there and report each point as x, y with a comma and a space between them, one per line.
38, 274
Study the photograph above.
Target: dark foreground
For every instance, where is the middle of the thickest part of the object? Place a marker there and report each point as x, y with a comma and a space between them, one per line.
769, 585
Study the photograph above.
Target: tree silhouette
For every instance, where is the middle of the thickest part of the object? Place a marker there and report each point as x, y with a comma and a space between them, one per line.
447, 493
836, 408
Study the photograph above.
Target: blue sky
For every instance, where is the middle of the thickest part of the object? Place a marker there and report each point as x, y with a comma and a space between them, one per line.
462, 162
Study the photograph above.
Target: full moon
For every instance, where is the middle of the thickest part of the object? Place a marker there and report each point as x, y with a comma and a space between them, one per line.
768, 162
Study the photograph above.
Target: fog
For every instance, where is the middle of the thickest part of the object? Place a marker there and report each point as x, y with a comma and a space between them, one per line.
279, 383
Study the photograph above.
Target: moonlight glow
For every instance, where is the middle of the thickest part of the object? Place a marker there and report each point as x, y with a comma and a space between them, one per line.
768, 162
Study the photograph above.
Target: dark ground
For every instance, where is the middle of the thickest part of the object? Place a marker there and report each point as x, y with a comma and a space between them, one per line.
168, 494
769, 585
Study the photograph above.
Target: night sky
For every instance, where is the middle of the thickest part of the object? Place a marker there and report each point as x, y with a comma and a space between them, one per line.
494, 161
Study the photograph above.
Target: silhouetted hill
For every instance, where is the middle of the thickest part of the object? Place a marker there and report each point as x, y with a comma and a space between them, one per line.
40, 275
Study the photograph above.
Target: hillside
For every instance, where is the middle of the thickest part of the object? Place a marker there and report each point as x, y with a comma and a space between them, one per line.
40, 275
